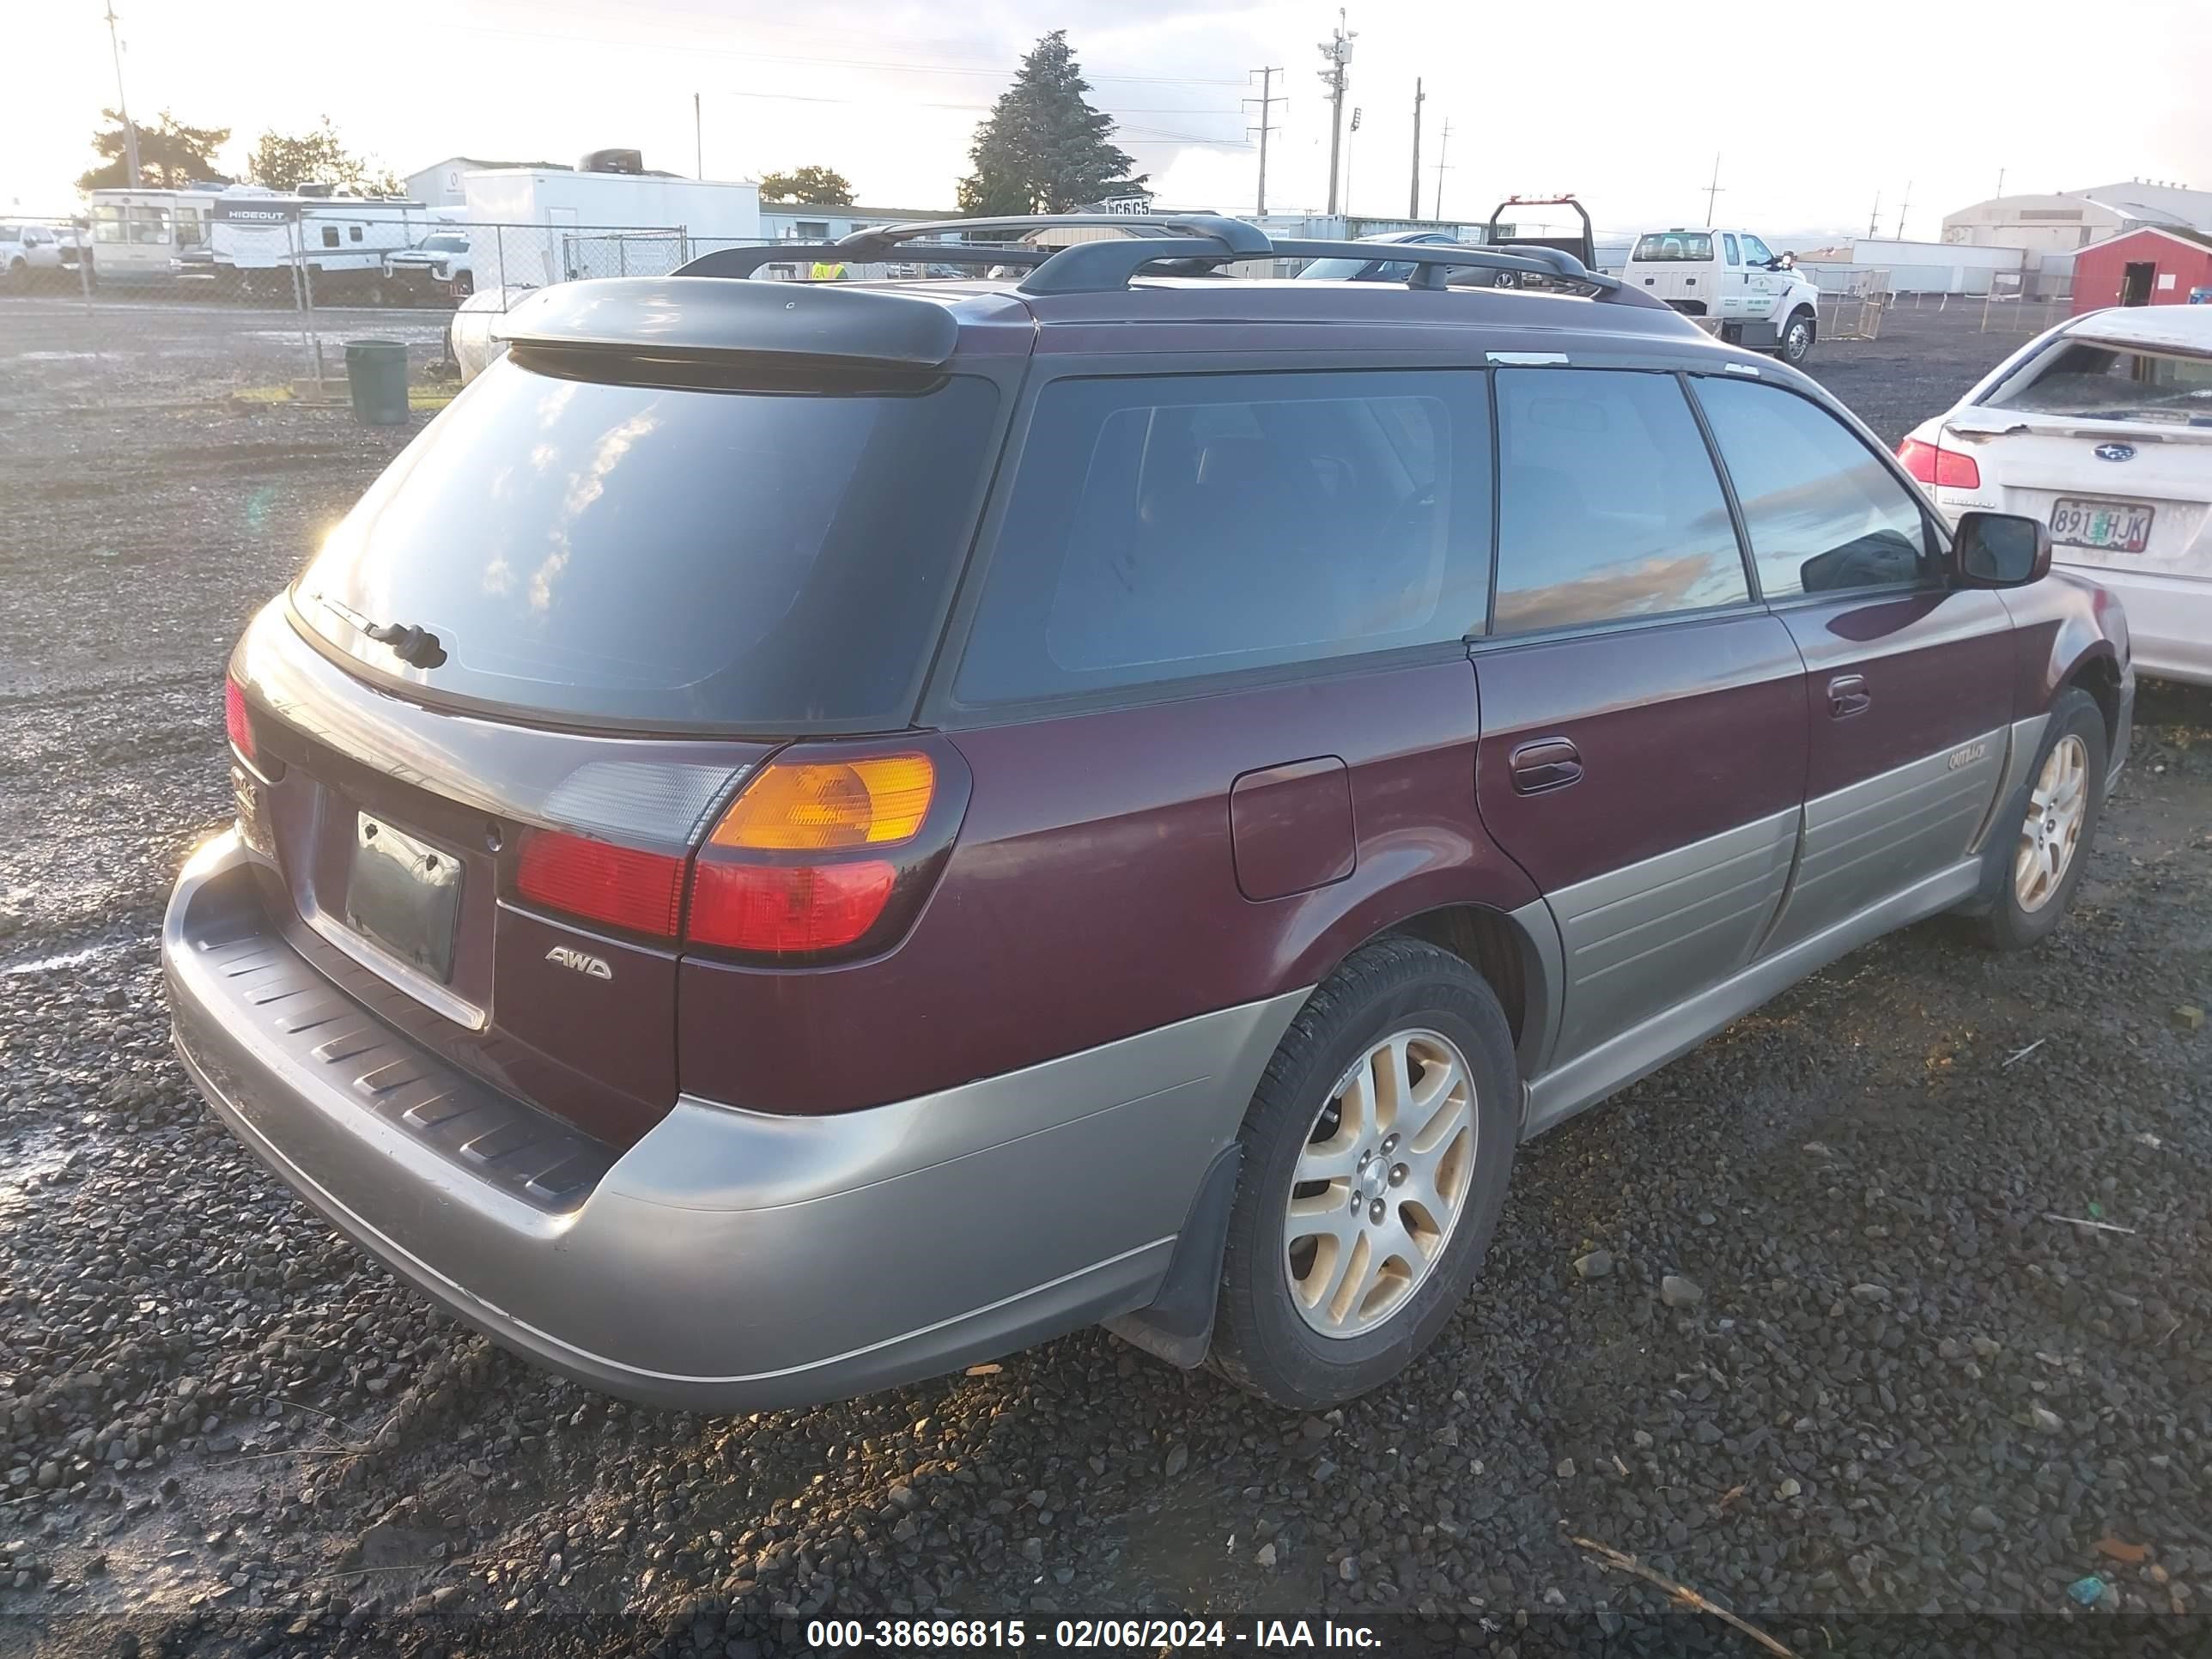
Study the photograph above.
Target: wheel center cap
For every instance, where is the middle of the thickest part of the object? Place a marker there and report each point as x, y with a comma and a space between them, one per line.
1373, 1180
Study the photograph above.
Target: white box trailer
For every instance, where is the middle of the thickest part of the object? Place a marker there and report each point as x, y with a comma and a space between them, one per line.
533, 227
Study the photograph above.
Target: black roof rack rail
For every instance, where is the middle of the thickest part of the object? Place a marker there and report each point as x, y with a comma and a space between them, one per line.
744, 261
1192, 242
1431, 259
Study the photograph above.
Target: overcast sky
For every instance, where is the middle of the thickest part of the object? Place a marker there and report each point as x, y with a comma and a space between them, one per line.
1811, 110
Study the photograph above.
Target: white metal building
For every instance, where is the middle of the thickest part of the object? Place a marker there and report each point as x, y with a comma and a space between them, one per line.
2067, 221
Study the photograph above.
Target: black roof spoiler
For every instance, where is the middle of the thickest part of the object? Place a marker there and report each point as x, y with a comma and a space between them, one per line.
1195, 242
682, 317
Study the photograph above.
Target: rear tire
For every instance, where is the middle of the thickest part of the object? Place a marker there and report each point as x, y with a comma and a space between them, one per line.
1396, 1081
2040, 844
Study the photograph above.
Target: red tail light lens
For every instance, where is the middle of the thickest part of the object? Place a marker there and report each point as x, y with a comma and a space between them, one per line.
787, 909
1945, 469
235, 719
642, 892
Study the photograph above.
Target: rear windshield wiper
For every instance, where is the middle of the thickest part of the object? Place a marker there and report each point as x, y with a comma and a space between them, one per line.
416, 646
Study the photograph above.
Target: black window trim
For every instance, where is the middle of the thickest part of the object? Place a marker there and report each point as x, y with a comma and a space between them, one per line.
1935, 538
942, 709
1750, 605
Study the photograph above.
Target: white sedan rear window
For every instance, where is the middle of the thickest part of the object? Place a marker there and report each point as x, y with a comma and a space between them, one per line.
2096, 382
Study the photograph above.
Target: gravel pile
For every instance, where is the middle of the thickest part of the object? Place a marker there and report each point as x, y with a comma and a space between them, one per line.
1792, 1322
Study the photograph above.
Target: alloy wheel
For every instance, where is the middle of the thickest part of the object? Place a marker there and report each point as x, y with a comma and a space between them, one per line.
2051, 833
1381, 1183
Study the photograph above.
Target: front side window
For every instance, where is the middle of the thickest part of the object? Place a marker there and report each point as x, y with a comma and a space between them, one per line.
1755, 251
1824, 512
1608, 506
1170, 526
107, 223
1675, 247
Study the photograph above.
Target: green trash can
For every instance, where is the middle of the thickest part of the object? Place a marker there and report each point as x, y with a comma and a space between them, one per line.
376, 375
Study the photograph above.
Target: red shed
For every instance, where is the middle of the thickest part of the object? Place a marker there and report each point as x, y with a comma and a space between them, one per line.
2156, 265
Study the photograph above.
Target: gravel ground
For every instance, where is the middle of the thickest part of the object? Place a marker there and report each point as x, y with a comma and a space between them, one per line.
1897, 1388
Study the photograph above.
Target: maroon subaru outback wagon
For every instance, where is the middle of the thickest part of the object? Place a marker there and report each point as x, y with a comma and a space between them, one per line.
803, 836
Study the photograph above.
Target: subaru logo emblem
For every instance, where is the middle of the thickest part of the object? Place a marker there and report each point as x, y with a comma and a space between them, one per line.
2116, 452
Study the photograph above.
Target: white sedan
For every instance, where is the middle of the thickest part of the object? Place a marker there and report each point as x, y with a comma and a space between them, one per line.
2101, 428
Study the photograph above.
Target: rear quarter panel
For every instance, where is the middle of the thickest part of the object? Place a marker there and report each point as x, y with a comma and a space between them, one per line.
1093, 893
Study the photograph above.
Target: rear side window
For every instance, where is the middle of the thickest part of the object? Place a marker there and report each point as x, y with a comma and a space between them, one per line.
1728, 242
1608, 506
730, 559
1825, 514
1171, 526
1662, 247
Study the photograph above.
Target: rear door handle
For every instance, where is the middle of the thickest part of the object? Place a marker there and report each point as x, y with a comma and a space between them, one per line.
1546, 764
1848, 695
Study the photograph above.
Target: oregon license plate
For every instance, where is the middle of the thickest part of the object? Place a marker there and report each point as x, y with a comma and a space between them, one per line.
405, 895
2113, 526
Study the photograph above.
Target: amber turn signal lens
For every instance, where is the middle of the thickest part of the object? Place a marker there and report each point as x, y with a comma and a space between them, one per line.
814, 806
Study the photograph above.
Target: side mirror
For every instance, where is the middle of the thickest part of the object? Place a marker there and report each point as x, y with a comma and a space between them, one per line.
1787, 262
1999, 550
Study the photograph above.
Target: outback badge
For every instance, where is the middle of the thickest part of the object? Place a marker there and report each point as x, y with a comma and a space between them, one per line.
591, 966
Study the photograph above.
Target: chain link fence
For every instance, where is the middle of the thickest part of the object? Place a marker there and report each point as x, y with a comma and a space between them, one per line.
147, 309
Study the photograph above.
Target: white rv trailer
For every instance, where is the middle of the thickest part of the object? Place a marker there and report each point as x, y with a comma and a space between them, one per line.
137, 234
258, 237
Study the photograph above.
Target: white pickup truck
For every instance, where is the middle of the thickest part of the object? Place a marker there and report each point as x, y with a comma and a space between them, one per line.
1731, 280
30, 251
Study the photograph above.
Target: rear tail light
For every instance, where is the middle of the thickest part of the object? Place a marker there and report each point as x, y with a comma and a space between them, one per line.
640, 892
815, 807
1945, 469
234, 718
788, 909
814, 857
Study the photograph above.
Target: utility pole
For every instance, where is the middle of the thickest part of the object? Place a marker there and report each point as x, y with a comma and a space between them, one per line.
698, 140
1444, 145
1336, 50
2001, 174
122, 104
1903, 208
1874, 217
1350, 133
1713, 190
1265, 100
1413, 199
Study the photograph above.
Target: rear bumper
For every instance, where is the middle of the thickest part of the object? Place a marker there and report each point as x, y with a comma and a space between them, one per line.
2169, 620
730, 1260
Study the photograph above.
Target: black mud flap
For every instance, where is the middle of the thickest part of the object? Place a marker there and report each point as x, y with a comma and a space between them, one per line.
1177, 1326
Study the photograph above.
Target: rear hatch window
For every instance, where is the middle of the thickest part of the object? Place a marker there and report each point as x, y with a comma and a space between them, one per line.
2089, 380
750, 560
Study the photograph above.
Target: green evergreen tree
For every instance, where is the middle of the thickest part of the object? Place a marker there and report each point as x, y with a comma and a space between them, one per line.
1044, 148
170, 155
